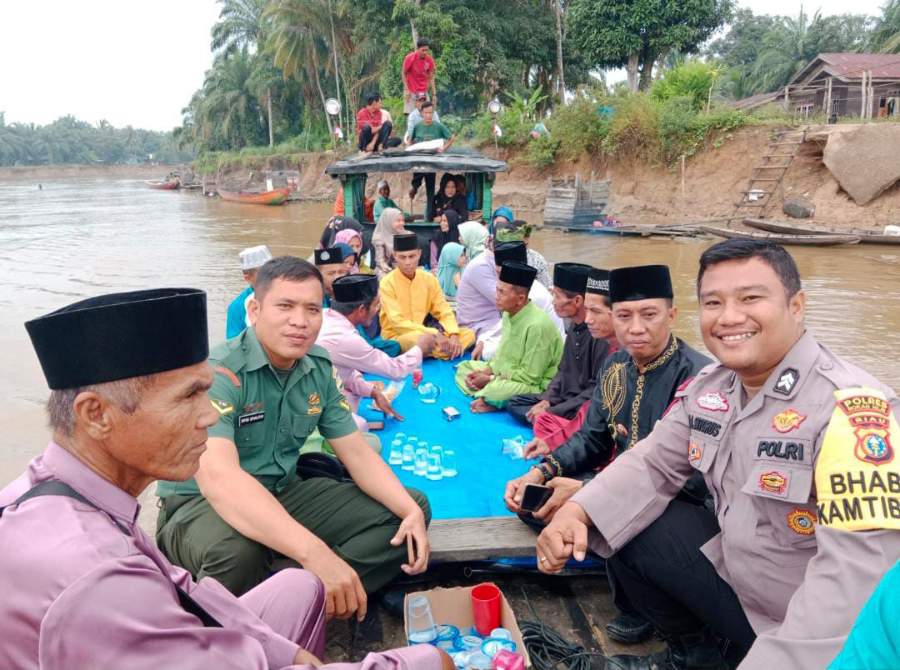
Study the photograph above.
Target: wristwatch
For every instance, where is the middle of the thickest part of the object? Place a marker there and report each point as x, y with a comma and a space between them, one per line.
546, 470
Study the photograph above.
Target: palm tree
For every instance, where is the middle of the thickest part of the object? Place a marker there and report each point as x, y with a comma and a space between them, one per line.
885, 37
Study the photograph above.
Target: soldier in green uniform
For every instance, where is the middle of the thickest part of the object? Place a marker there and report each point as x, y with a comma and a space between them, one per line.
273, 387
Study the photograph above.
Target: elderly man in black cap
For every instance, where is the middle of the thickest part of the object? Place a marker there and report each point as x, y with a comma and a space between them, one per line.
330, 262
582, 356
83, 586
529, 352
636, 385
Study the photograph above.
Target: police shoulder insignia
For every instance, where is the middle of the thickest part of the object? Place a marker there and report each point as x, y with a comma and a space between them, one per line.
695, 453
788, 420
801, 521
222, 407
787, 380
774, 482
857, 476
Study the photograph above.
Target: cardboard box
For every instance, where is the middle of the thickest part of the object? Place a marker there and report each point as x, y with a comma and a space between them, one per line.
454, 606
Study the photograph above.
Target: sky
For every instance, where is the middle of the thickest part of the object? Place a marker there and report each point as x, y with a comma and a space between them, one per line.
137, 63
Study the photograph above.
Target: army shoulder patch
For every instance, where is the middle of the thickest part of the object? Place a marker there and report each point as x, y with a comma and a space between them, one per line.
222, 407
857, 476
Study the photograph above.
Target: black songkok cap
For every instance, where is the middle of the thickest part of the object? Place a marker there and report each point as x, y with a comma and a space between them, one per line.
571, 277
356, 288
517, 274
121, 335
329, 256
640, 283
598, 282
510, 251
406, 242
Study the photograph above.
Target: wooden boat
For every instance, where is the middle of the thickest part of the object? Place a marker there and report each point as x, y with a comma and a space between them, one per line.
167, 185
276, 196
806, 240
865, 237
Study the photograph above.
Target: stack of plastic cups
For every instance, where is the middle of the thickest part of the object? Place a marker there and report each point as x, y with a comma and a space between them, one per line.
435, 471
421, 462
396, 455
408, 461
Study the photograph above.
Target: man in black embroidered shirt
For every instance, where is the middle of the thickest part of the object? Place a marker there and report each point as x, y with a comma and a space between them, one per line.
635, 387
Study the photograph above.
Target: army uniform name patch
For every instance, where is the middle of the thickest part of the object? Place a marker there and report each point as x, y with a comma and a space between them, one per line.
247, 419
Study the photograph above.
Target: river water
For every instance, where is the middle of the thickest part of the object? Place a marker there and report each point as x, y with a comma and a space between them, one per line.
82, 237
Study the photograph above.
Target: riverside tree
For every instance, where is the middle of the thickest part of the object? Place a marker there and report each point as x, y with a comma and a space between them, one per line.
636, 34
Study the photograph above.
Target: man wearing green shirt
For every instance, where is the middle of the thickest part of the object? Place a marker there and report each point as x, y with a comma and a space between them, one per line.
272, 388
429, 129
529, 352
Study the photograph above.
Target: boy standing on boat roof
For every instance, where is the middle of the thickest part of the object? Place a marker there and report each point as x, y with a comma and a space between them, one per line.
418, 75
85, 587
272, 389
797, 448
252, 259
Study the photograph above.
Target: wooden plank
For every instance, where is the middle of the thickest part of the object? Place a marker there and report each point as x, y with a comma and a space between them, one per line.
480, 538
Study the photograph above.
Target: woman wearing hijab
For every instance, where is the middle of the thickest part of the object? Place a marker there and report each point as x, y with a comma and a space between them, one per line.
390, 223
452, 262
335, 225
448, 232
449, 198
355, 241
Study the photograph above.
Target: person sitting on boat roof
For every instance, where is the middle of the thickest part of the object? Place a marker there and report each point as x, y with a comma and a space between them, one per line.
412, 303
252, 259
418, 75
529, 352
429, 129
477, 294
373, 131
520, 231
330, 263
449, 198
390, 223
415, 118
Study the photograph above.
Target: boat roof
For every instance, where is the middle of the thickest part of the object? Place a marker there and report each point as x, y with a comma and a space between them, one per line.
398, 160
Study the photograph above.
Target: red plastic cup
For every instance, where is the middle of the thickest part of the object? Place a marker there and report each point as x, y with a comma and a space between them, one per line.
417, 378
507, 660
486, 608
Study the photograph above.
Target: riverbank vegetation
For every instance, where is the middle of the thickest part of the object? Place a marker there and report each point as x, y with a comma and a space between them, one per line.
69, 141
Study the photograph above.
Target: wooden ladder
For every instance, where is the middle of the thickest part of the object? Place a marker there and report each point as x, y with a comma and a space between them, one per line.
767, 176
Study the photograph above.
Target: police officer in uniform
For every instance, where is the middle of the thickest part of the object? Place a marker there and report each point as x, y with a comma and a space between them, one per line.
273, 387
797, 448
83, 585
636, 385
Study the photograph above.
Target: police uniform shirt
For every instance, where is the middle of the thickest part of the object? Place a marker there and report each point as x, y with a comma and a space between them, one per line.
625, 405
269, 413
806, 483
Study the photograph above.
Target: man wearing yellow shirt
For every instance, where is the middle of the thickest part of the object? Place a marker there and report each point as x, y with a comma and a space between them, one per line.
412, 303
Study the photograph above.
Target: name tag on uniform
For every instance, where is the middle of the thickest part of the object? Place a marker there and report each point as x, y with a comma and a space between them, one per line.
247, 419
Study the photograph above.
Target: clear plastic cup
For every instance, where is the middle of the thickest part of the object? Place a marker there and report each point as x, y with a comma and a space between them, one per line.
420, 464
395, 457
408, 457
400, 436
420, 622
422, 444
448, 463
435, 471
436, 449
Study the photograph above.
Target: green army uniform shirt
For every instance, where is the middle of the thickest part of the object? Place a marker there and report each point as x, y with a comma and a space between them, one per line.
436, 131
269, 413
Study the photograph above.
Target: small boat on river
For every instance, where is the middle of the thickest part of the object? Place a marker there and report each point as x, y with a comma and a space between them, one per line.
865, 236
805, 240
167, 185
276, 196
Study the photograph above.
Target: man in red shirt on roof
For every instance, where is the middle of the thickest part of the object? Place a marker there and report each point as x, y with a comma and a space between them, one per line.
373, 131
418, 75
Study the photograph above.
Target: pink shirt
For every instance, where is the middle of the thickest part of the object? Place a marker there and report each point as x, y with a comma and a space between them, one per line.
352, 355
79, 592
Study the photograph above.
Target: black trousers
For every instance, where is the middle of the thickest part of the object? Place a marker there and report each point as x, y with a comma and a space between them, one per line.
384, 137
518, 406
664, 577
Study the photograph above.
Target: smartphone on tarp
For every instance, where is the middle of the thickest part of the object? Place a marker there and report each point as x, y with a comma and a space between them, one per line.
534, 496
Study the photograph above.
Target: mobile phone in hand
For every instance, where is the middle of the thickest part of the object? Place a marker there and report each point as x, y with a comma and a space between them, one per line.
534, 496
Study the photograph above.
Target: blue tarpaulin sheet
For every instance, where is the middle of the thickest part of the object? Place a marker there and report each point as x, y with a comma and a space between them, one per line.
477, 490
